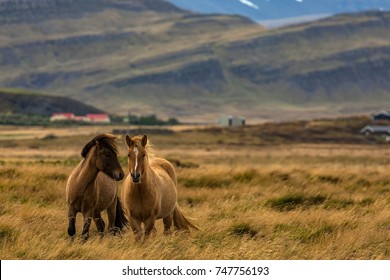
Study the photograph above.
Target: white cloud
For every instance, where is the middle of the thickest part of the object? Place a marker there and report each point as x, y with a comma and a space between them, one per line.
249, 3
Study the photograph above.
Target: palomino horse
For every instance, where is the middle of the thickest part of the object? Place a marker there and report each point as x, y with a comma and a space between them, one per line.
150, 190
92, 187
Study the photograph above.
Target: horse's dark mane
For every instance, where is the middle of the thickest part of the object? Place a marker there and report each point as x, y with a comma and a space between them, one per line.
105, 140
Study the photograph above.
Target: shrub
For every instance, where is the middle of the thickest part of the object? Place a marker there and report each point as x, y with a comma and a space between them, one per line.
243, 229
291, 202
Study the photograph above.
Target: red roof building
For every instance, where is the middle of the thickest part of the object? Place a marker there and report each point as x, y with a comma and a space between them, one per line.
99, 118
92, 118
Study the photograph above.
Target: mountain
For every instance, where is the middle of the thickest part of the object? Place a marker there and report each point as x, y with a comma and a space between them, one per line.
149, 56
25, 102
280, 12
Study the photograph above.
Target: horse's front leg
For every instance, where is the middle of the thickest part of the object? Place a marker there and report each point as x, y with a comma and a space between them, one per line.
111, 213
87, 223
99, 222
135, 225
71, 221
150, 225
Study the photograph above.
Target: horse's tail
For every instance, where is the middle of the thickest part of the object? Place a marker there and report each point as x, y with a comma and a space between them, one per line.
120, 219
180, 221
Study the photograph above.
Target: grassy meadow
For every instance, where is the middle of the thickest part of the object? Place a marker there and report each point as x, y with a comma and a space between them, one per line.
252, 198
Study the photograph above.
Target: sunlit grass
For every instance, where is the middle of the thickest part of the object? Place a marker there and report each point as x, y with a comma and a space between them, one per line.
295, 201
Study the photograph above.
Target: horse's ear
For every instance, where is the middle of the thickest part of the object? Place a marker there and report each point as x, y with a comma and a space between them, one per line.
144, 140
128, 140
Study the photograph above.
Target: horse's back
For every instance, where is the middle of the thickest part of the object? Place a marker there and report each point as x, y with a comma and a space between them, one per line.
166, 166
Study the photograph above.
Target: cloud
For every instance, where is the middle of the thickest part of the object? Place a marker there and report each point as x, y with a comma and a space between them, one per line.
249, 3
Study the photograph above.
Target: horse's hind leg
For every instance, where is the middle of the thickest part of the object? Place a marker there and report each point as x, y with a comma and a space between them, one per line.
99, 222
168, 223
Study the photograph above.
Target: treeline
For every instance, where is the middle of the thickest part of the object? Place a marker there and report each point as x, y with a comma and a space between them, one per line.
41, 120
24, 119
145, 120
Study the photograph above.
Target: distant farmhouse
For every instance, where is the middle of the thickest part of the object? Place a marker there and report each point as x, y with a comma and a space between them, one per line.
381, 116
375, 129
380, 124
231, 121
89, 118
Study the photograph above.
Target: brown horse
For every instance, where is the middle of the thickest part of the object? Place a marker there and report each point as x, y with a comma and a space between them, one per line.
92, 187
150, 190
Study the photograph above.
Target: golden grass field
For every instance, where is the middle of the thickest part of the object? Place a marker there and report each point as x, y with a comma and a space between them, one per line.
252, 200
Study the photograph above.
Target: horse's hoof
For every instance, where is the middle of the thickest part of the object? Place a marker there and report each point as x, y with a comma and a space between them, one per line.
71, 232
84, 238
115, 231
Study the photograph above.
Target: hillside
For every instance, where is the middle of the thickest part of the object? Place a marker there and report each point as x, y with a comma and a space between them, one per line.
24, 102
151, 57
278, 12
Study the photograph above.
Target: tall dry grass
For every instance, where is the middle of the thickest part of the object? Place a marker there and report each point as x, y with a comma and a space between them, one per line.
252, 202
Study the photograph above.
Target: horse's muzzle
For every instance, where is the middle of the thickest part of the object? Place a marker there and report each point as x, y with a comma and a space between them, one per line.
136, 177
118, 175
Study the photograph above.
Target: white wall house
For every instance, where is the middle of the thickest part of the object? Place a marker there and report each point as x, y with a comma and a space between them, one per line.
228, 120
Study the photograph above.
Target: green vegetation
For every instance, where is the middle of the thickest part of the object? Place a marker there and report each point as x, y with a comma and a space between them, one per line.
150, 120
243, 229
291, 202
21, 119
38, 120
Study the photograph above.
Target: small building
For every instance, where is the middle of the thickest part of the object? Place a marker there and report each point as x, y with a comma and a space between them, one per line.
375, 129
81, 119
231, 121
89, 118
62, 117
99, 118
381, 115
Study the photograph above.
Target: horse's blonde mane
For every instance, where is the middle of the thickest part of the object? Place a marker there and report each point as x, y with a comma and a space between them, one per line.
150, 152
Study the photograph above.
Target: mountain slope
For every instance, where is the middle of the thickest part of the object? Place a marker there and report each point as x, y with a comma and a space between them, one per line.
266, 10
25, 102
177, 64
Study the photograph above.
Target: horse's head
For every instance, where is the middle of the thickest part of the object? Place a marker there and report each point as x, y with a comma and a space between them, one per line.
105, 155
136, 153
